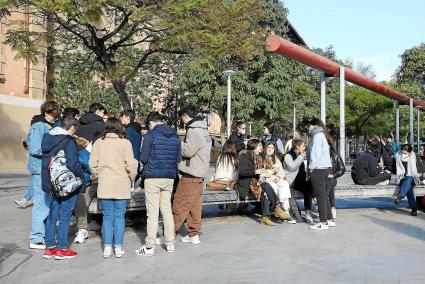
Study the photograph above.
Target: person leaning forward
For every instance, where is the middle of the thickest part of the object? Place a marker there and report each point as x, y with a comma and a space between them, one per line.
196, 150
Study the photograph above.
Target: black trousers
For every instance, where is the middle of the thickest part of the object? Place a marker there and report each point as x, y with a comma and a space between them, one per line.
366, 180
268, 199
320, 182
304, 186
332, 184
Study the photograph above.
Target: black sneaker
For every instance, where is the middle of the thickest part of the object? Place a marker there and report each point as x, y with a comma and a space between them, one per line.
414, 212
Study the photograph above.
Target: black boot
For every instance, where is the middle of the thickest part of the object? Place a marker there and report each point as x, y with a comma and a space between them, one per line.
398, 199
414, 212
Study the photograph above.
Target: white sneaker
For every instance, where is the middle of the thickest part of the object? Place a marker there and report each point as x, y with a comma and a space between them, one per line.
119, 252
23, 203
143, 250
107, 251
193, 240
170, 248
81, 236
319, 227
40, 245
331, 223
308, 218
93, 226
159, 241
333, 212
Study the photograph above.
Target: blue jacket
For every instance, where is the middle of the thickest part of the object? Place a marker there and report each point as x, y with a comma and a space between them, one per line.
161, 152
134, 135
33, 140
84, 157
50, 145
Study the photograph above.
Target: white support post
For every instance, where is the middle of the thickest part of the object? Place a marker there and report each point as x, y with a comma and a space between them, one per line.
295, 121
229, 105
397, 122
342, 113
411, 136
323, 97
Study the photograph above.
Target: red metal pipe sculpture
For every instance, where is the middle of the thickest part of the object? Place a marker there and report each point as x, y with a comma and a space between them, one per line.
288, 49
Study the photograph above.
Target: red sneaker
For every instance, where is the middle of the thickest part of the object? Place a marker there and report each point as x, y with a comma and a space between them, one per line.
64, 254
50, 252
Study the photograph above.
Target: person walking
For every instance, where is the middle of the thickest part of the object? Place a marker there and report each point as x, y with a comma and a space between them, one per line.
51, 111
160, 154
319, 164
113, 163
61, 207
196, 151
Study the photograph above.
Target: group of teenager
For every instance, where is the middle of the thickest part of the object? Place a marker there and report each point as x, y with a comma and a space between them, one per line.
100, 156
383, 158
267, 170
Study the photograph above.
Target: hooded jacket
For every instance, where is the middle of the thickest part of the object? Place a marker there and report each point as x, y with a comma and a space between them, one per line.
161, 152
50, 146
319, 153
90, 127
134, 135
196, 149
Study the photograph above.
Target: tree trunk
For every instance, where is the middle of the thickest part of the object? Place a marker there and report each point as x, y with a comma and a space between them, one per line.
222, 128
120, 87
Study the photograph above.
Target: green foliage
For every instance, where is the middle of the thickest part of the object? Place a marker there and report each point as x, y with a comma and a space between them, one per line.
411, 74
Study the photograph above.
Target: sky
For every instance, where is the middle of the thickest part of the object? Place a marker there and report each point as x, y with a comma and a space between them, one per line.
372, 32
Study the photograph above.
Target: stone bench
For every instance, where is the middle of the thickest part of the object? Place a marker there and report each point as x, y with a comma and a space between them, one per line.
137, 202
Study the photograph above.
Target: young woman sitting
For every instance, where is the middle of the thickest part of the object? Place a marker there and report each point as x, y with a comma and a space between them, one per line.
274, 175
226, 170
250, 169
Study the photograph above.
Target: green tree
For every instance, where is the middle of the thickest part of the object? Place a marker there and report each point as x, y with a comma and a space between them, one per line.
120, 37
410, 77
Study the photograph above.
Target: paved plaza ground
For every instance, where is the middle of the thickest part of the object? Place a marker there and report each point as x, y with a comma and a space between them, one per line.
374, 242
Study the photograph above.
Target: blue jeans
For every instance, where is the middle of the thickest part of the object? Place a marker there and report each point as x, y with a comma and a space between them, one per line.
40, 211
60, 209
113, 225
30, 191
406, 189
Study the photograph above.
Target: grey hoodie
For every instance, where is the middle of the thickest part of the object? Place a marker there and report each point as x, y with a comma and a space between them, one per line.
196, 150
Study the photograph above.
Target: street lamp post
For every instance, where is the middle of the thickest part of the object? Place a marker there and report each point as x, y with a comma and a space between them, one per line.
229, 74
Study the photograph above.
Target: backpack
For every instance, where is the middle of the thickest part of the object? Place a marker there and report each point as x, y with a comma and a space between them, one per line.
63, 181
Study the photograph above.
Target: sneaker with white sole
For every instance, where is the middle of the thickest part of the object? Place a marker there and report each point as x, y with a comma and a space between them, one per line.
170, 248
319, 227
39, 245
331, 223
333, 212
193, 240
308, 218
81, 236
119, 252
107, 251
143, 250
23, 203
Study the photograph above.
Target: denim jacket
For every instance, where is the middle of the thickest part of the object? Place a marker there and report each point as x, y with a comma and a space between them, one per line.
33, 140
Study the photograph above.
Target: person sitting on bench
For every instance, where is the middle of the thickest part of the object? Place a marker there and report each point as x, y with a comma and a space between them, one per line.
366, 170
296, 175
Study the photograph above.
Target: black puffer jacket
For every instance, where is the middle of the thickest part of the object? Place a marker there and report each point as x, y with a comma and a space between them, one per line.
246, 173
338, 167
238, 140
91, 127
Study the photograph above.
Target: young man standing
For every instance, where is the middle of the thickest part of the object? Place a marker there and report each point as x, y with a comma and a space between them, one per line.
90, 127
196, 150
51, 111
59, 138
133, 131
160, 154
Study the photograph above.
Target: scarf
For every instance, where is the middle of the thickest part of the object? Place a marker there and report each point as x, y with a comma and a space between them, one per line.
412, 171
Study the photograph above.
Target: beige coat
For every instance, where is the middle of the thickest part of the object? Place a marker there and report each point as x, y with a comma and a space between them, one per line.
113, 163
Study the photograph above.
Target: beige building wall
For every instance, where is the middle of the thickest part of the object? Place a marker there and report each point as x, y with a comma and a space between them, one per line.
21, 95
